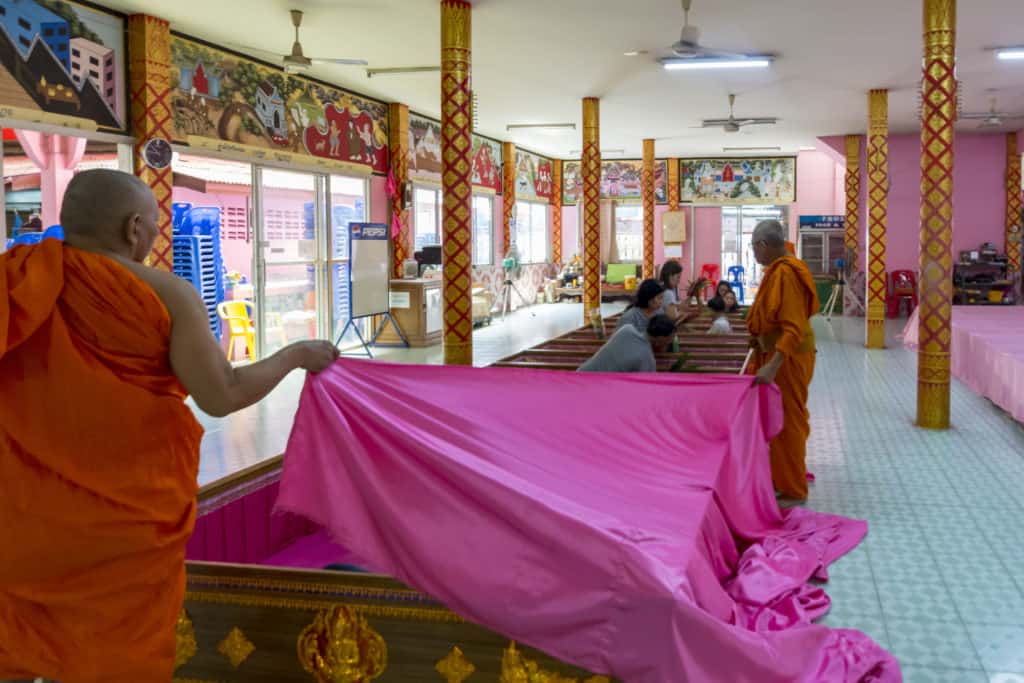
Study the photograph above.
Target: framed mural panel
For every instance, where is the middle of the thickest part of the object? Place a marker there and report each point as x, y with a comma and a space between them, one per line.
425, 155
620, 179
766, 180
224, 97
63, 60
534, 176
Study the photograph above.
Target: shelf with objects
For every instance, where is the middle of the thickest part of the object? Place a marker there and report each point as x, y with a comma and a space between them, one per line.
983, 278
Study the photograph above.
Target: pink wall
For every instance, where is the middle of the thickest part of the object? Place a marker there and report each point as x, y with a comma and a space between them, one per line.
979, 195
820, 188
380, 205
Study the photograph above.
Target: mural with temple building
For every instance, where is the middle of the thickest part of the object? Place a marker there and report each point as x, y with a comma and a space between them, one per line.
222, 96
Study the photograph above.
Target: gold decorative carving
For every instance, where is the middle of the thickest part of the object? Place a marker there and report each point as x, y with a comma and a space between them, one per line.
184, 639
386, 611
455, 668
341, 647
236, 647
878, 194
515, 668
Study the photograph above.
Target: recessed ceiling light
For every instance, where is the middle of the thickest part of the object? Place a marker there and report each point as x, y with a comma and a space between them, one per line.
1010, 53
700, 63
540, 126
634, 53
751, 149
808, 149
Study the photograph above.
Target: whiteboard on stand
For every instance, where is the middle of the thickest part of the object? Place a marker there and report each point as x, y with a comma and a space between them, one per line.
369, 272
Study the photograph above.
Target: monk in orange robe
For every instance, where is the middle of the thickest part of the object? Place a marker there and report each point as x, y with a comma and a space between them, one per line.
98, 451
779, 322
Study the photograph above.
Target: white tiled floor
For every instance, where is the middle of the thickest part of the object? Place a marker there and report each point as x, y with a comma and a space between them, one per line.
939, 580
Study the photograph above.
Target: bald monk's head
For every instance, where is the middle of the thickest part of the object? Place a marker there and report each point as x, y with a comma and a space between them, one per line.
110, 212
768, 241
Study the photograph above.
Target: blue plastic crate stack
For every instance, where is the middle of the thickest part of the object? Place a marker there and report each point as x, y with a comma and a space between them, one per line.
197, 255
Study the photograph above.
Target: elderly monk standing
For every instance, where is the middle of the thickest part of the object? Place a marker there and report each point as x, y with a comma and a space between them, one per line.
780, 322
98, 452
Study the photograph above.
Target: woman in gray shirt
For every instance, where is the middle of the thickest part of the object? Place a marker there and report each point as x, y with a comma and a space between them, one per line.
646, 306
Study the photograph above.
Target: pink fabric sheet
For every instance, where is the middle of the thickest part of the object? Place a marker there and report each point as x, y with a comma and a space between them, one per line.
987, 352
623, 523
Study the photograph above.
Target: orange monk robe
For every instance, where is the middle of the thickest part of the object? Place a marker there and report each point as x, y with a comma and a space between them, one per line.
98, 463
780, 319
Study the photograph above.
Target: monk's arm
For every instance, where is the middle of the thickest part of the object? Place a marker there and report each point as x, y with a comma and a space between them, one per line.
203, 369
790, 317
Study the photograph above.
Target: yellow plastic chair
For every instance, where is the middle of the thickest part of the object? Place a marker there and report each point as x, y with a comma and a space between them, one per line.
238, 315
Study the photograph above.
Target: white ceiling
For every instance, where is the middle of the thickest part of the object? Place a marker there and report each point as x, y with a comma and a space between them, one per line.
533, 60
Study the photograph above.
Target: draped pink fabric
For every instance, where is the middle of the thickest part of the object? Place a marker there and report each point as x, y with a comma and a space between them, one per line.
623, 523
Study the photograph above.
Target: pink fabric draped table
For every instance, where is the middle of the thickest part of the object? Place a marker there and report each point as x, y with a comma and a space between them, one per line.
987, 352
623, 523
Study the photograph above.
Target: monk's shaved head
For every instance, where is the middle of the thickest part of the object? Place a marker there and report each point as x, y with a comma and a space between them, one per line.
112, 211
771, 232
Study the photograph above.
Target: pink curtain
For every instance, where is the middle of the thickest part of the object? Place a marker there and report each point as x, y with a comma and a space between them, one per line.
612, 521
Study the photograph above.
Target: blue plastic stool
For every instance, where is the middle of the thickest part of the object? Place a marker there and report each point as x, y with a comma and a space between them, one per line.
736, 276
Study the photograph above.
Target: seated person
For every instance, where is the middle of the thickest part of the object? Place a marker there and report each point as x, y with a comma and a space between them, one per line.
647, 304
671, 272
630, 350
717, 302
726, 304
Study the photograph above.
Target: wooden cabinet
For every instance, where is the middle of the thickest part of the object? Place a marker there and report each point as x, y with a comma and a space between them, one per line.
417, 308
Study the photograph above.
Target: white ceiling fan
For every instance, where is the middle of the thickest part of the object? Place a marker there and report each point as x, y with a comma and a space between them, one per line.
733, 125
688, 46
297, 61
992, 118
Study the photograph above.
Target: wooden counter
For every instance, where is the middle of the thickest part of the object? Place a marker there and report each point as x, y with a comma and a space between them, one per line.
416, 305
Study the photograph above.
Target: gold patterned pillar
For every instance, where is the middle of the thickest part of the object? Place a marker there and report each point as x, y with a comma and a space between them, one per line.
149, 59
938, 115
878, 194
851, 237
456, 180
556, 211
398, 146
508, 192
1014, 227
673, 184
647, 194
590, 203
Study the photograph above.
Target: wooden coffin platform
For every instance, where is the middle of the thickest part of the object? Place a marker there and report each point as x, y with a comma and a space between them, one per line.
261, 608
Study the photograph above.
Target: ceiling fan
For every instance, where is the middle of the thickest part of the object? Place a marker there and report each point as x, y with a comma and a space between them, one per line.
733, 125
297, 61
688, 46
992, 118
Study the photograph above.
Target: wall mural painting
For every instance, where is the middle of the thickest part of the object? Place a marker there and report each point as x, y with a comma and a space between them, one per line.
65, 59
738, 181
425, 154
620, 179
534, 176
226, 97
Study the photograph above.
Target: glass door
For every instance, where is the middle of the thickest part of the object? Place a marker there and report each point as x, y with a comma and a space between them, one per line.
289, 261
738, 223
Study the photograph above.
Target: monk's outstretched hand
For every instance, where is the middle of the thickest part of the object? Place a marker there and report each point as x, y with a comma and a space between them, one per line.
315, 356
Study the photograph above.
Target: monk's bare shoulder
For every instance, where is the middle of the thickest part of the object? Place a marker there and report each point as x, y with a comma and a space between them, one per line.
175, 293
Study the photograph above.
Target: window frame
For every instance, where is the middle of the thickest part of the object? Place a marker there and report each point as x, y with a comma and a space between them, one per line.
488, 258
526, 255
615, 218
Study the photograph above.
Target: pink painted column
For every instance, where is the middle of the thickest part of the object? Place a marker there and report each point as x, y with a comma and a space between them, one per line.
56, 156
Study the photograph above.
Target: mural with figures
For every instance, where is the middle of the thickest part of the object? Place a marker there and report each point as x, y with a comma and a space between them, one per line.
65, 59
534, 176
620, 179
738, 181
221, 96
425, 154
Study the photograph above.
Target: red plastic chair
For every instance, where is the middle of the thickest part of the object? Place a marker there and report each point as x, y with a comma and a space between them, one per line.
902, 287
709, 272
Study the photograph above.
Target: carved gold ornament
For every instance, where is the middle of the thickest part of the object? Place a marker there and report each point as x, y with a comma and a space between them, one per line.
340, 647
455, 668
517, 669
184, 639
236, 647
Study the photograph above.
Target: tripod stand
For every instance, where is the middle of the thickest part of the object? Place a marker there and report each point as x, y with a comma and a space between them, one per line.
830, 306
507, 288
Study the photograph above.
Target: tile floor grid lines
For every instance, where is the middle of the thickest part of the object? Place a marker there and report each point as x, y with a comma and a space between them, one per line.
940, 579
